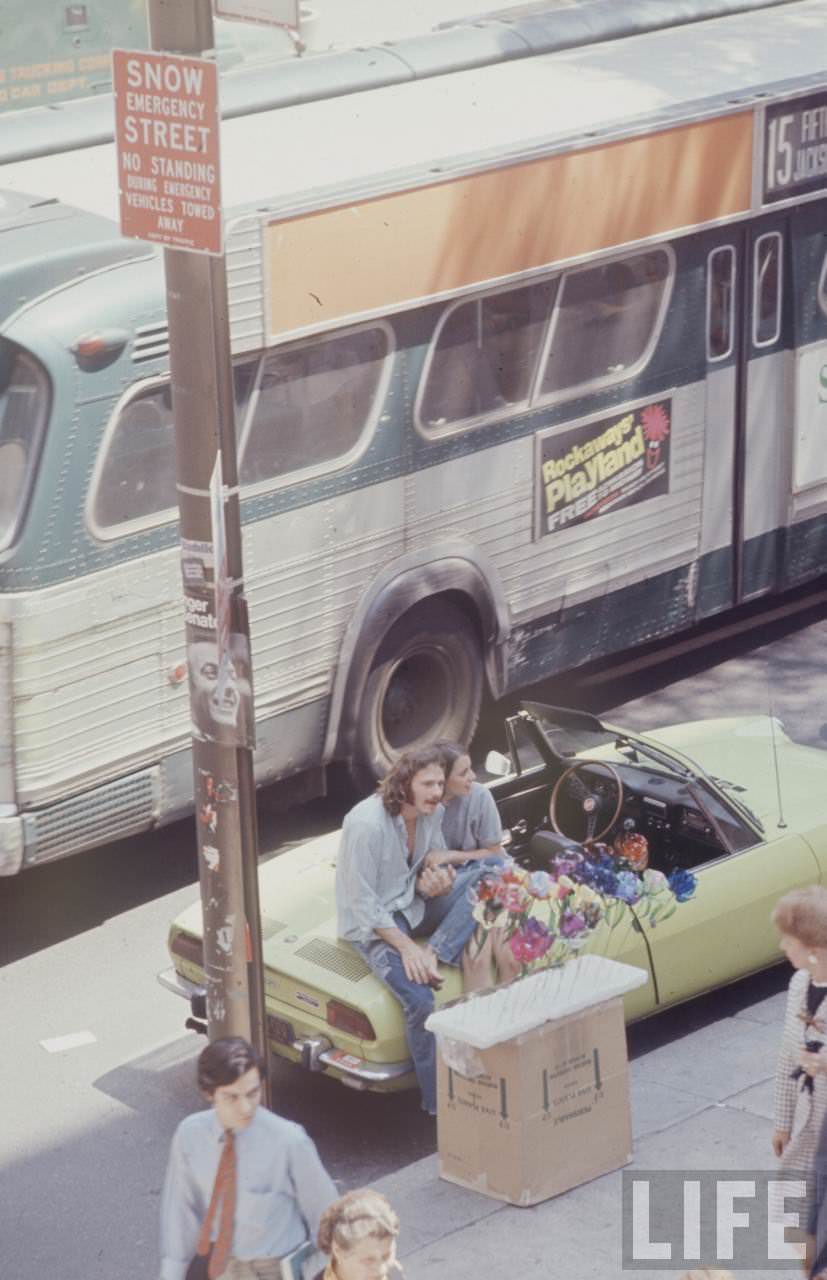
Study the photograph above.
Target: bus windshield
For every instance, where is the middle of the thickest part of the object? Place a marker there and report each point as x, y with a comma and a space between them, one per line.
24, 403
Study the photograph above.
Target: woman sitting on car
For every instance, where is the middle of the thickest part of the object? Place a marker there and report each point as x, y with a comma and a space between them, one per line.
472, 832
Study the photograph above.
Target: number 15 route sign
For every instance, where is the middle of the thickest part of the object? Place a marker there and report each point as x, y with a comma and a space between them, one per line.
166, 132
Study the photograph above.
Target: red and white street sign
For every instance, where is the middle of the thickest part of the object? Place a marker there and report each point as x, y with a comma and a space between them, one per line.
166, 131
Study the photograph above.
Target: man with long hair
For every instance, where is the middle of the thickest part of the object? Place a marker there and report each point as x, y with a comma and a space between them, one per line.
387, 897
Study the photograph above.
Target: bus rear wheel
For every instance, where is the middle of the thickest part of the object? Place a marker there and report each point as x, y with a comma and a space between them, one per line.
425, 683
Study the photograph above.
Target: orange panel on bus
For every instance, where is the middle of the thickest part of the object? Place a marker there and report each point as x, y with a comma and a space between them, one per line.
381, 253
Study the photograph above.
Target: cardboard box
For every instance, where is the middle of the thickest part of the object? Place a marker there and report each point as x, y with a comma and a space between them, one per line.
529, 1117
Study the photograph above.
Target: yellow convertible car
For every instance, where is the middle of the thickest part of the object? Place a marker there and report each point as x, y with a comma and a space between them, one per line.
734, 801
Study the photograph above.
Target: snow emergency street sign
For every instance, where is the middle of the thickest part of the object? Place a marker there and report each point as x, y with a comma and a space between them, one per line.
166, 134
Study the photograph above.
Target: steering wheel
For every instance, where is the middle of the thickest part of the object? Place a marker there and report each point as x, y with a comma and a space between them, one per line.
589, 803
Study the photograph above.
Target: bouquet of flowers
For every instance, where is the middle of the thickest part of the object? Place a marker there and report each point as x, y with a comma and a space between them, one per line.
547, 916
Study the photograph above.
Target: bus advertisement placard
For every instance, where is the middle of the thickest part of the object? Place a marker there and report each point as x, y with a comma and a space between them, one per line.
603, 465
795, 148
167, 124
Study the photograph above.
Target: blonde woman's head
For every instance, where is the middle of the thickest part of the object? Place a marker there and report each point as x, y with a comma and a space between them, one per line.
707, 1273
359, 1233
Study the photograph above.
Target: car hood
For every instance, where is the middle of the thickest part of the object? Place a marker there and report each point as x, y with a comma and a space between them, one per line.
304, 957
745, 750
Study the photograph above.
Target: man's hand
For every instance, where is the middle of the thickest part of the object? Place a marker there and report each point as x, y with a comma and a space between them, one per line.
779, 1141
420, 964
434, 882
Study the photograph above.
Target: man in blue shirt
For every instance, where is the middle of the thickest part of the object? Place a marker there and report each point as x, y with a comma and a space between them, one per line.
271, 1176
386, 897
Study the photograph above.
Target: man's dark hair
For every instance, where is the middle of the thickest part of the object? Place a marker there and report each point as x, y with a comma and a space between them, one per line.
449, 752
225, 1061
395, 787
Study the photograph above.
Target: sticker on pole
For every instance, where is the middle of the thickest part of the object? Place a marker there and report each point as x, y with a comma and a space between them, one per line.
166, 132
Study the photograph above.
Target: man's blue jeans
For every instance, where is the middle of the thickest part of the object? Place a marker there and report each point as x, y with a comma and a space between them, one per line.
447, 924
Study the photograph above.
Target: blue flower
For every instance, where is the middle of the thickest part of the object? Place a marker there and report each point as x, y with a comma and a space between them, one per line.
683, 884
627, 887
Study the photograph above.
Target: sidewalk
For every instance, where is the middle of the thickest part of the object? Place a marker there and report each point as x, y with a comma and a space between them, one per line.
703, 1101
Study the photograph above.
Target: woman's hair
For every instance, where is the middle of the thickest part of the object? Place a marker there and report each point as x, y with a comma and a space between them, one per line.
354, 1217
802, 914
449, 752
225, 1061
707, 1273
395, 787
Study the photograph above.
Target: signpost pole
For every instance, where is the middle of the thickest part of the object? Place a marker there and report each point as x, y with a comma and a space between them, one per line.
218, 652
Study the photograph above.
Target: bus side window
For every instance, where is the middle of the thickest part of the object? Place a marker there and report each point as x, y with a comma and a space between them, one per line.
135, 479
484, 355
24, 405
606, 320
311, 404
766, 290
138, 476
720, 302
822, 287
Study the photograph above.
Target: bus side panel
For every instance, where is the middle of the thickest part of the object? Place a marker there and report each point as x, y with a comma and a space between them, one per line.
807, 536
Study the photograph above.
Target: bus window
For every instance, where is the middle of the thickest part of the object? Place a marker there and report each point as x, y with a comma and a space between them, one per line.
134, 484
312, 404
484, 356
24, 404
606, 322
720, 302
766, 290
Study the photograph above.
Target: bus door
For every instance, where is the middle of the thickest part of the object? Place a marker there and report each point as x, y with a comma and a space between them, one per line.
748, 412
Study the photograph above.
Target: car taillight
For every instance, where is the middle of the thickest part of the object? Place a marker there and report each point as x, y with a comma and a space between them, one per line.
186, 947
345, 1018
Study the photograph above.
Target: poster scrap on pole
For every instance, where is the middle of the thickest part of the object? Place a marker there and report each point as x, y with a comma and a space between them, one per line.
166, 134
218, 651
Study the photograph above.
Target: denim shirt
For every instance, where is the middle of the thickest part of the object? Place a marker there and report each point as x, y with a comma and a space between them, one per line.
472, 821
282, 1188
373, 876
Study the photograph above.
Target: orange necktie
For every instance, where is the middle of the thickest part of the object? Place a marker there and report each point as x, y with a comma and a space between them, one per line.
223, 1190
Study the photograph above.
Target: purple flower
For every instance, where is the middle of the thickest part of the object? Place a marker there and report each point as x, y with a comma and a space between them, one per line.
567, 864
571, 924
530, 941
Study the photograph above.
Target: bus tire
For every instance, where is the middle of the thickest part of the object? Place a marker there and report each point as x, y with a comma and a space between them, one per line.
425, 683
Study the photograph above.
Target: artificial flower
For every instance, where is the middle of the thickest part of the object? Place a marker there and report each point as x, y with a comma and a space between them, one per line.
540, 885
531, 941
655, 881
628, 887
683, 884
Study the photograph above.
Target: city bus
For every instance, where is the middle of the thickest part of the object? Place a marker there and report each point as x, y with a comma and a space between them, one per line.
530, 366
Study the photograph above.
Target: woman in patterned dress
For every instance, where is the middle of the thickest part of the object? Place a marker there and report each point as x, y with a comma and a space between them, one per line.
801, 1077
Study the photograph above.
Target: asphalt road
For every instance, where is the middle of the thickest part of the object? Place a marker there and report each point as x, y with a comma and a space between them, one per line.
85, 1129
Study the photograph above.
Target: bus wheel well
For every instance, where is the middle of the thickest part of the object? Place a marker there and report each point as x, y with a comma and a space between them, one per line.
425, 681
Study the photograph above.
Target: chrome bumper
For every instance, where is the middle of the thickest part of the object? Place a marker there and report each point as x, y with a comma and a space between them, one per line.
316, 1054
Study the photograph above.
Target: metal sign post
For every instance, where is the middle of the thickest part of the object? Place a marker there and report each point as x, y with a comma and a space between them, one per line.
215, 610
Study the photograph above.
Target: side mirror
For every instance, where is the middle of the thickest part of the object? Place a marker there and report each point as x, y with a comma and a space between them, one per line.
498, 764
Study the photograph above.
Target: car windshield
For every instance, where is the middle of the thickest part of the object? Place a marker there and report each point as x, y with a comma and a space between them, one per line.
569, 733
24, 404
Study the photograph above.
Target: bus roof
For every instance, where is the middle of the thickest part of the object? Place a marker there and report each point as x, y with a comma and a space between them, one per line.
295, 158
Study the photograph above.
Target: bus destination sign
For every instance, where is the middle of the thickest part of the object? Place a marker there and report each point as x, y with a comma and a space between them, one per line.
166, 131
795, 148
